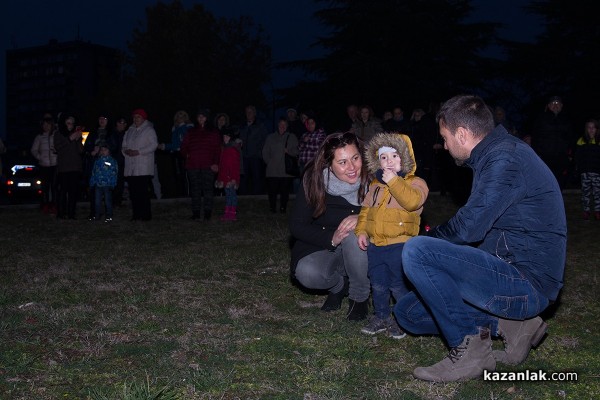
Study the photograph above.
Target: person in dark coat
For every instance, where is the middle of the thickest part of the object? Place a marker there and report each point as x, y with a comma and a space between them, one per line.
68, 146
552, 139
253, 135
498, 262
201, 150
325, 252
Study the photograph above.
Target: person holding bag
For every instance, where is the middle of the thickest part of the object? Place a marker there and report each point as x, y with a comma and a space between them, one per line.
277, 147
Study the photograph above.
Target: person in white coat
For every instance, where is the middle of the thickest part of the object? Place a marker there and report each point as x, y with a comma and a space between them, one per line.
43, 151
139, 144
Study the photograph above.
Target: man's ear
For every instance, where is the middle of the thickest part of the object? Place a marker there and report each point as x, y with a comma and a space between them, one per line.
462, 135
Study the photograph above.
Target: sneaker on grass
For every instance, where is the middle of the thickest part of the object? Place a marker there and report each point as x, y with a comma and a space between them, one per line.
393, 329
376, 325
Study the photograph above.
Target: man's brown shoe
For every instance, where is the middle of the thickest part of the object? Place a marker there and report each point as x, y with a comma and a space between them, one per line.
519, 337
466, 361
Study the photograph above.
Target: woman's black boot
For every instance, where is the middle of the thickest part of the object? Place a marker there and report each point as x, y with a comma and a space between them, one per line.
334, 300
357, 310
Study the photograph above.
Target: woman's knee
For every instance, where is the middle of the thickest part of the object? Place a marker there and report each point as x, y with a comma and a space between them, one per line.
303, 274
310, 275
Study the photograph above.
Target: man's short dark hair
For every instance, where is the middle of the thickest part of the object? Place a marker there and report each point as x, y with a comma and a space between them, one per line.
466, 111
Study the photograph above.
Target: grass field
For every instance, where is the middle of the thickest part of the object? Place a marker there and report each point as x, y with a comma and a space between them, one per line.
180, 309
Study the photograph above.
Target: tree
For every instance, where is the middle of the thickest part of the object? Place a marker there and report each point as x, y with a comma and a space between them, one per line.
407, 51
186, 58
562, 61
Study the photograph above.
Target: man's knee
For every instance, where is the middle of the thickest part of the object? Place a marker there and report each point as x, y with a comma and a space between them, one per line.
413, 253
405, 312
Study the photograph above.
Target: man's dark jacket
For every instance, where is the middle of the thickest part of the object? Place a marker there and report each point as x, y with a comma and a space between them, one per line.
515, 211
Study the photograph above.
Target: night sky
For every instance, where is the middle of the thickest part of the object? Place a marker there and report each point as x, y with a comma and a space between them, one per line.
27, 23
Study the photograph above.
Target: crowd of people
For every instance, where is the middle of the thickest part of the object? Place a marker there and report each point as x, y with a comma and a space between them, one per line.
571, 157
356, 228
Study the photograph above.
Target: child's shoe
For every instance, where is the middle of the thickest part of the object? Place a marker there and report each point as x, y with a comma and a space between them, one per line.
376, 325
108, 220
393, 330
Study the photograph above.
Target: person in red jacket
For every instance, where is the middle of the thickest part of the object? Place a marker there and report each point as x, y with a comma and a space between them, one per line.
229, 174
201, 150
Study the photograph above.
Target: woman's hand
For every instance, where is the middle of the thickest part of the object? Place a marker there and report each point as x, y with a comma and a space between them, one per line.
344, 228
348, 224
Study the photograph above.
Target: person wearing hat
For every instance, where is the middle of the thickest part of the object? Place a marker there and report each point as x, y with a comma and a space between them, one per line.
201, 151
389, 217
138, 146
552, 138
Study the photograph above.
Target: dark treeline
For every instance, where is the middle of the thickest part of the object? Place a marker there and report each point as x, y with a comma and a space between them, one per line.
414, 53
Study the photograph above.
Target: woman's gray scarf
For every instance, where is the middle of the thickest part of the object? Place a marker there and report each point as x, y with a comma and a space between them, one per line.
336, 187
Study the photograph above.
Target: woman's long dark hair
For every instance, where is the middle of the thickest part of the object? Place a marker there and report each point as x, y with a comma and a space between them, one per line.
312, 180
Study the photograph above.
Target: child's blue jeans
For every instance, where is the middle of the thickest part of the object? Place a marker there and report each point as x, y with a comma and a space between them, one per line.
106, 192
386, 275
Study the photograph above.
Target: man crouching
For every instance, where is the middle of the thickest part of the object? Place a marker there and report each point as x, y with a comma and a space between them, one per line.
498, 262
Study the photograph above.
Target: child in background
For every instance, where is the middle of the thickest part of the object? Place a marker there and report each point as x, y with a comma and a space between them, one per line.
228, 178
390, 215
104, 179
587, 157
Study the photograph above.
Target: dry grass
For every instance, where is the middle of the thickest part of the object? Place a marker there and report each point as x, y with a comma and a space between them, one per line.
206, 311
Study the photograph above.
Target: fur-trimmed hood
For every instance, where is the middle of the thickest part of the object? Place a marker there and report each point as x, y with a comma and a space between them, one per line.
396, 140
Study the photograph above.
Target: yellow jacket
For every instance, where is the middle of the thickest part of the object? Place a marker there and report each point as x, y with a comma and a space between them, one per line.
391, 213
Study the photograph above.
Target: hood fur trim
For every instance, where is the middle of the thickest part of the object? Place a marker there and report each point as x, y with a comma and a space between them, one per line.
399, 142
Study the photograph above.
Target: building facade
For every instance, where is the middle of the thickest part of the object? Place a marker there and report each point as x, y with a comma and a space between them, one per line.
54, 78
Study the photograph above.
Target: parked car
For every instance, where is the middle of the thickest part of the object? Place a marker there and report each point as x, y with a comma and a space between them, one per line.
24, 183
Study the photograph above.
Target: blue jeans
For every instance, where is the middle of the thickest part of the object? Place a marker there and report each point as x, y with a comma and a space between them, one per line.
230, 196
459, 288
326, 269
106, 192
386, 275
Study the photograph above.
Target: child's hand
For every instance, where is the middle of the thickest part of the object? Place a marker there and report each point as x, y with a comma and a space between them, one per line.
363, 241
388, 175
